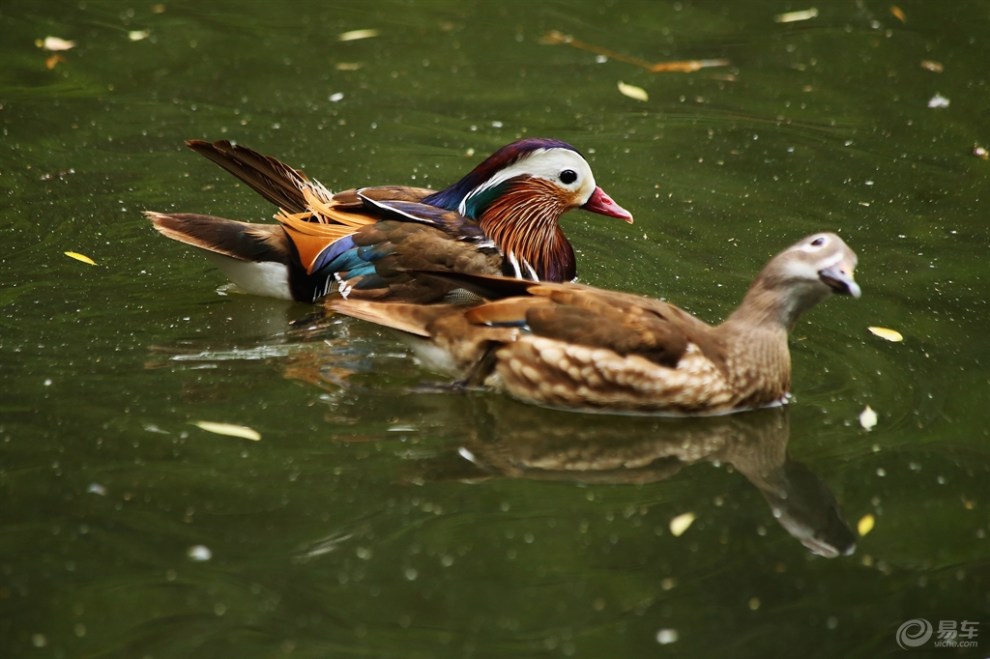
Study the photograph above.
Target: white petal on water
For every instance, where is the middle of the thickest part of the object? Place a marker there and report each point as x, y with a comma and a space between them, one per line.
795, 16
886, 333
354, 35
680, 524
199, 553
868, 418
633, 92
228, 429
55, 44
938, 102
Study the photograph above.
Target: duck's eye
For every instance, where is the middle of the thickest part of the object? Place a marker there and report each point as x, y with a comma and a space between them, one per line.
818, 242
568, 176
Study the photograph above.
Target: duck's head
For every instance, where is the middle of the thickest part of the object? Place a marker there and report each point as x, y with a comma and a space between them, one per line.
539, 174
801, 276
825, 259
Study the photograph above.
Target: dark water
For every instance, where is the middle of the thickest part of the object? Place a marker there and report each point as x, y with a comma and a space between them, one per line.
377, 517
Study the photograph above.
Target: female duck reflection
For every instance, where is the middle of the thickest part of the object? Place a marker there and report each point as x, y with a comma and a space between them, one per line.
525, 442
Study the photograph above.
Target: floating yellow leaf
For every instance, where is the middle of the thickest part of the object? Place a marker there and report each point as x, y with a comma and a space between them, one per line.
80, 257
228, 429
681, 523
53, 60
932, 65
633, 92
55, 44
868, 418
898, 13
354, 35
555, 37
138, 35
885, 333
865, 524
686, 66
795, 16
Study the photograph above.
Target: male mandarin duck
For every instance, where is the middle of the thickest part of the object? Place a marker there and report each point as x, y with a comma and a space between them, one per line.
502, 218
579, 347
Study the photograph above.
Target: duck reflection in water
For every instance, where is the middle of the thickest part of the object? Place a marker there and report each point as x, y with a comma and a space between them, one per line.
524, 443
508, 439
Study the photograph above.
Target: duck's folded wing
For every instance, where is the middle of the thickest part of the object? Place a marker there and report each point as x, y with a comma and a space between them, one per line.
382, 260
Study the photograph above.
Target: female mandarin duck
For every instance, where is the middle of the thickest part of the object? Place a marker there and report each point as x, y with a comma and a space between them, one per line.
500, 219
573, 346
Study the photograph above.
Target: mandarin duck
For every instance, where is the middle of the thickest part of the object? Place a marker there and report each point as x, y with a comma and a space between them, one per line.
574, 346
502, 218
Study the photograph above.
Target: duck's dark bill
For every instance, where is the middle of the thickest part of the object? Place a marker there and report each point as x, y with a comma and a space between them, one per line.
839, 280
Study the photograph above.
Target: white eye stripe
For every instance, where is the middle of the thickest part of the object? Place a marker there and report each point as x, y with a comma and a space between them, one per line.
546, 164
810, 247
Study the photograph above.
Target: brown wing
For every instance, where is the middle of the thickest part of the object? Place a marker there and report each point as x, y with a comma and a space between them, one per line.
624, 323
403, 249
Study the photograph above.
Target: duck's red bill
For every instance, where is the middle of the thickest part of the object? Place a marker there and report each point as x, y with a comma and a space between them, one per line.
602, 204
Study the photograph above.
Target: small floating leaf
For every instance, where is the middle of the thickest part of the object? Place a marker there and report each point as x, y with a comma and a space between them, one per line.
199, 553
53, 60
938, 102
667, 636
868, 418
96, 488
865, 524
795, 16
932, 65
80, 257
228, 429
554, 37
633, 92
354, 35
681, 523
55, 44
885, 333
687, 66
898, 13
138, 35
